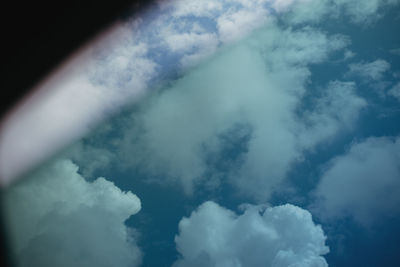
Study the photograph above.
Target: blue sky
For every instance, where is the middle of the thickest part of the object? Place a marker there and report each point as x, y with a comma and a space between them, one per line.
267, 135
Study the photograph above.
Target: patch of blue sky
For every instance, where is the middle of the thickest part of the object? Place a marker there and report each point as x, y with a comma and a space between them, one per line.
351, 244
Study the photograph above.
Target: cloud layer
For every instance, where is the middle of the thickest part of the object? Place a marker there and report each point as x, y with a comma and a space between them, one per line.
277, 236
57, 218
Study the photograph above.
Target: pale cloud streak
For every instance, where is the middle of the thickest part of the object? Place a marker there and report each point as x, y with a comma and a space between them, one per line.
374, 70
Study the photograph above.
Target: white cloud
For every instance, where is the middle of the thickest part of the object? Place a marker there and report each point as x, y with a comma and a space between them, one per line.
221, 22
277, 236
188, 41
258, 83
205, 8
363, 183
338, 108
364, 11
395, 91
370, 70
192, 45
87, 93
297, 11
56, 218
235, 25
91, 86
348, 54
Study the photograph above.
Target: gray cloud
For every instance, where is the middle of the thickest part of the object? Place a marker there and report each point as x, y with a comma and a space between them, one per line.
277, 236
56, 218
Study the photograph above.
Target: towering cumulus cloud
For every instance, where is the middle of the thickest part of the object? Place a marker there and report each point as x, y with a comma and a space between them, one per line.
278, 236
363, 183
57, 218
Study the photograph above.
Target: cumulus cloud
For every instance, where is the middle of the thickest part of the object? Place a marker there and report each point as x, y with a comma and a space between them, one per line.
56, 218
231, 20
135, 53
219, 22
364, 183
104, 76
278, 236
370, 70
254, 86
395, 51
246, 19
191, 45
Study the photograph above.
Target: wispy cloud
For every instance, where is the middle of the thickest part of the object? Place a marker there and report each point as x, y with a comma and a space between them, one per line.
363, 183
374, 70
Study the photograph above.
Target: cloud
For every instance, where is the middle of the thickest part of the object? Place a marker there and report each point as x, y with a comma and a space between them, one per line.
247, 20
207, 8
109, 72
191, 45
88, 88
254, 87
56, 218
312, 11
339, 107
120, 65
277, 236
363, 11
362, 183
348, 54
395, 91
370, 70
219, 22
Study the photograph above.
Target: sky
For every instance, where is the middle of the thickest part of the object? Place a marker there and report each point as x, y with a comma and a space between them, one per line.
244, 133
